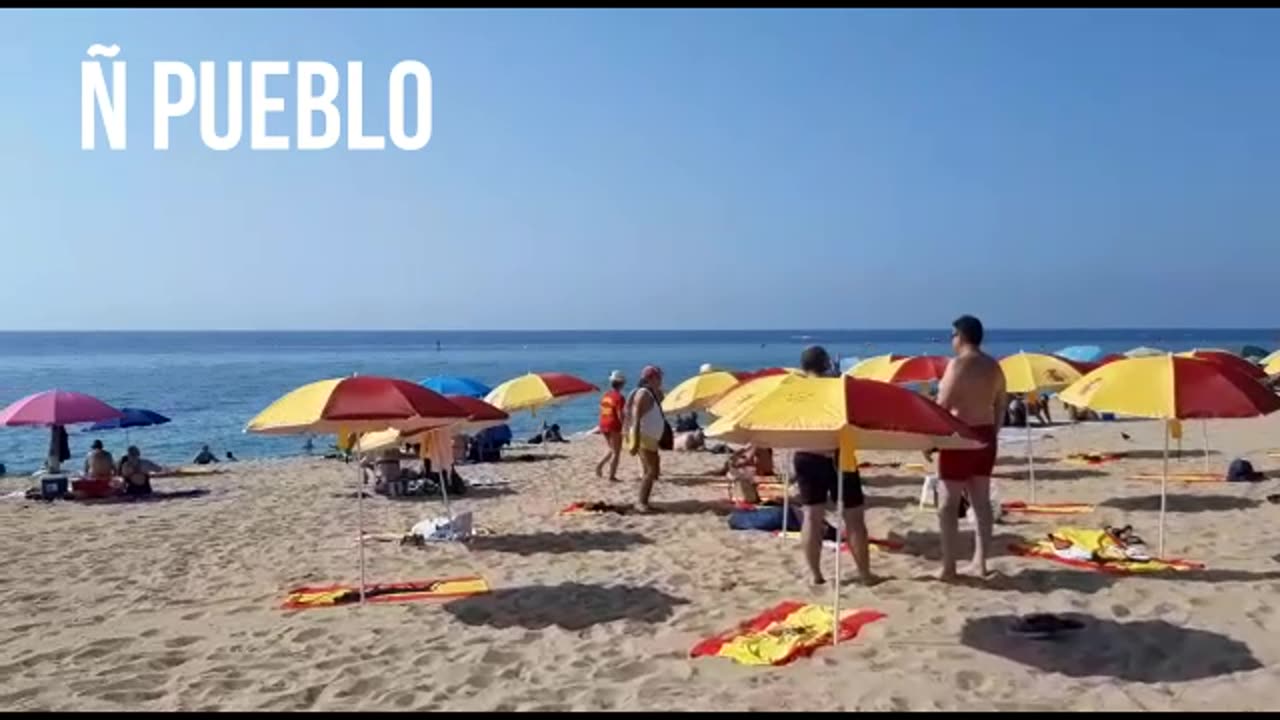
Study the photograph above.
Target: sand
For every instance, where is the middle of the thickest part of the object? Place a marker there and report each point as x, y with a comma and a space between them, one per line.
174, 605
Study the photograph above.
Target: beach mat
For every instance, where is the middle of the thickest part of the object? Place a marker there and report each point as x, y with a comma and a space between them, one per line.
1025, 508
306, 598
155, 496
783, 633
1180, 477
1095, 550
874, 543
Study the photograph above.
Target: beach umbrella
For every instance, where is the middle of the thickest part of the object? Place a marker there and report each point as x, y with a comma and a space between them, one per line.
919, 369
1081, 353
1171, 388
1270, 359
452, 385
1273, 366
817, 413
357, 404
699, 391
57, 407
1030, 373
480, 416
1230, 360
748, 387
535, 391
130, 418
868, 367
1144, 352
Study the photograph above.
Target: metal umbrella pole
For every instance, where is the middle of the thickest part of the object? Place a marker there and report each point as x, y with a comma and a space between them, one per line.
1164, 483
840, 531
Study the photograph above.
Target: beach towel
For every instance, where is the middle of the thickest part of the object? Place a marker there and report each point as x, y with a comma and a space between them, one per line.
788, 631
1093, 458
829, 540
1017, 506
305, 598
1180, 477
598, 507
1105, 550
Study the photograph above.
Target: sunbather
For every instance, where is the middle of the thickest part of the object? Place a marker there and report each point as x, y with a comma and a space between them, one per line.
136, 472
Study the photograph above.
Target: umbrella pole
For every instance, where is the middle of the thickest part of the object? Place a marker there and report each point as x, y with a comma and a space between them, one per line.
1031, 463
1164, 483
360, 521
1204, 430
786, 500
840, 531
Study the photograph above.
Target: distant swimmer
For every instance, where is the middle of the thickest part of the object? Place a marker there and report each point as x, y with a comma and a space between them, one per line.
230, 457
205, 457
437, 346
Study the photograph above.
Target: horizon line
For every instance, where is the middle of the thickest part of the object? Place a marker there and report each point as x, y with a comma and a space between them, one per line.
628, 330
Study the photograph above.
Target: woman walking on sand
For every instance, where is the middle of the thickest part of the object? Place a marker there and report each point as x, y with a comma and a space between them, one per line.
611, 411
646, 430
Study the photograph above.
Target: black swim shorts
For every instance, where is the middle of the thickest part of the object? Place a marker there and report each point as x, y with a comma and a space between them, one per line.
816, 477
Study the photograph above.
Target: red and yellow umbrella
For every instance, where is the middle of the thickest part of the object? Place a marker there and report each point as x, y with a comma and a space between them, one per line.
699, 391
869, 367
480, 416
357, 404
1171, 387
919, 369
1228, 360
535, 391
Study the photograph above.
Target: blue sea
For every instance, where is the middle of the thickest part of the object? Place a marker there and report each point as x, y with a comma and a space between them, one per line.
212, 383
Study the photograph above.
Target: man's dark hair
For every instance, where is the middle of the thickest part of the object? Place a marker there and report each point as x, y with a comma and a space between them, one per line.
97, 445
969, 329
815, 360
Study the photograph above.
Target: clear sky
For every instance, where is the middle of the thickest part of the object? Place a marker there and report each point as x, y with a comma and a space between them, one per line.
666, 169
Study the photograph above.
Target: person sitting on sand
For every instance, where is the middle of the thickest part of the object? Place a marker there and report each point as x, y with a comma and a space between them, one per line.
99, 470
205, 457
136, 472
741, 471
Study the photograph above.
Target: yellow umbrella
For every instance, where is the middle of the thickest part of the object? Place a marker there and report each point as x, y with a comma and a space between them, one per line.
873, 366
747, 390
535, 391
1170, 388
699, 391
1027, 373
1270, 359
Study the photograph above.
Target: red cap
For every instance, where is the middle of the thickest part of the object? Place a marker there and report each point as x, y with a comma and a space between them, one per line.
650, 372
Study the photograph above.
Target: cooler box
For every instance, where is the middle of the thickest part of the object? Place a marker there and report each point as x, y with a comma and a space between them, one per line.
53, 486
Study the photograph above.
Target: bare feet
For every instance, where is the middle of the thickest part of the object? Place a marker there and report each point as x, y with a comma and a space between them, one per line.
599, 471
644, 509
976, 570
947, 575
817, 581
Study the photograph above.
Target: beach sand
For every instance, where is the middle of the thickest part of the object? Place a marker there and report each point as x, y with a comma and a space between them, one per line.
175, 605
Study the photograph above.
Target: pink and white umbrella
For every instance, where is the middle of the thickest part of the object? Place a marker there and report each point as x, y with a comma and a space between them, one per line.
57, 407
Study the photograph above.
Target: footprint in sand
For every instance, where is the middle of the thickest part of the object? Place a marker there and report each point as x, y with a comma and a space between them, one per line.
308, 634
181, 642
969, 679
190, 617
101, 648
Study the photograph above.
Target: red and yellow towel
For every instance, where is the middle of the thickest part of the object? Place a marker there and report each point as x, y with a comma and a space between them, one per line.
784, 633
1095, 550
1192, 477
305, 598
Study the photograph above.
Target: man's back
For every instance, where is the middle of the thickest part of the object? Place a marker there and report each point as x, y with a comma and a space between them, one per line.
972, 389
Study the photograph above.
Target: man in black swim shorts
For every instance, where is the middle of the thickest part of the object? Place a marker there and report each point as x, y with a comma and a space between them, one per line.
816, 475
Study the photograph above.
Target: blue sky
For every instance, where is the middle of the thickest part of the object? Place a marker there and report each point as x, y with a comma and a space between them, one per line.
667, 169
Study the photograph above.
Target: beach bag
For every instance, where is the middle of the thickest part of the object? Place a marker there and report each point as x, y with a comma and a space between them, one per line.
1242, 470
668, 439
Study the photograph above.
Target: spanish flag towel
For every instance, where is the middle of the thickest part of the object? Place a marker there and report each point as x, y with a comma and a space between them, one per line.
783, 633
305, 598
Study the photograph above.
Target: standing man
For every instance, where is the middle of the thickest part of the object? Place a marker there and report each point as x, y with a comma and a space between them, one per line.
973, 390
610, 424
646, 426
816, 475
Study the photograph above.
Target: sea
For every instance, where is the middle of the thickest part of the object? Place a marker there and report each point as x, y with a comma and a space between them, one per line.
211, 383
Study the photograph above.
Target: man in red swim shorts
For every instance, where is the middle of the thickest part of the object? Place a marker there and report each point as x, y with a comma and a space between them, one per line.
973, 390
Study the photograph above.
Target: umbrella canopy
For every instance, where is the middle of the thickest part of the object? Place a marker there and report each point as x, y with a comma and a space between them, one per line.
1268, 360
1226, 359
537, 390
1171, 387
1081, 353
870, 366
810, 413
920, 369
131, 418
746, 390
1273, 367
480, 416
363, 403
1144, 352
57, 407
1034, 372
453, 385
699, 391
1253, 352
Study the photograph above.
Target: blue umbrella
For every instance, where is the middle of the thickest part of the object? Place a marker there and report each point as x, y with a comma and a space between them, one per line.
131, 418
451, 385
1080, 353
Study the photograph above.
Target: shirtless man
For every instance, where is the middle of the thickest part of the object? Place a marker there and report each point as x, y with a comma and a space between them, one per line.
973, 390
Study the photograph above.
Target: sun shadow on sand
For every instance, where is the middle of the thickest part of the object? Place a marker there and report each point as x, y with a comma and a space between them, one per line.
1148, 651
1188, 453
1182, 503
1050, 473
887, 481
527, 457
890, 501
928, 545
1047, 580
692, 507
571, 606
559, 543
1022, 460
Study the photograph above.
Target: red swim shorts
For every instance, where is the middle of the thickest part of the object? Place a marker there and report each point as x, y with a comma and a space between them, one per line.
962, 465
